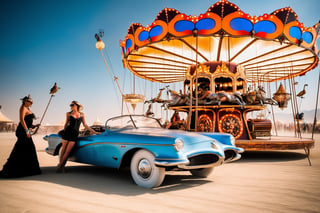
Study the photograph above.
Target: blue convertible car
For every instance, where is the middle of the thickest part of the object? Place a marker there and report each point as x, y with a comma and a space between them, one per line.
149, 150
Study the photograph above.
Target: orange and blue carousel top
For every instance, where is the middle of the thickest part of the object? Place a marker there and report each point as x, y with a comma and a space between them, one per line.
270, 47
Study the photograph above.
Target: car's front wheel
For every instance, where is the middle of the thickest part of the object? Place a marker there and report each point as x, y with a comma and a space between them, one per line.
201, 172
144, 172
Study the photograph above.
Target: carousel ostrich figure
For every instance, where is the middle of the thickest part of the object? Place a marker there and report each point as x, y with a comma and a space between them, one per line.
302, 92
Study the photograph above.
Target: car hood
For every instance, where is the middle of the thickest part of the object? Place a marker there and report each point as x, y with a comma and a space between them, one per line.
159, 132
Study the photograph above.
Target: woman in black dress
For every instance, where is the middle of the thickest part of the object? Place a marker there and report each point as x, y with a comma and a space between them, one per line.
23, 160
71, 132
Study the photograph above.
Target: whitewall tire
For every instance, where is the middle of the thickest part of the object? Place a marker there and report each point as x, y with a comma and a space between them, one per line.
144, 172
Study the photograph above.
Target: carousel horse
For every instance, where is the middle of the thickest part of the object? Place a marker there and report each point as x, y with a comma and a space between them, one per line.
250, 96
178, 98
158, 99
234, 98
261, 97
224, 97
258, 96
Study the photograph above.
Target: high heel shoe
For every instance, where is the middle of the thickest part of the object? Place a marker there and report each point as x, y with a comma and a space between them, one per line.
60, 170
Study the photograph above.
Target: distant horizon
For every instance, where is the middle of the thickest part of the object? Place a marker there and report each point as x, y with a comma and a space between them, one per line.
281, 116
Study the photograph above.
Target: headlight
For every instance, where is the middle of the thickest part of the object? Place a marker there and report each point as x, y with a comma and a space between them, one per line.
214, 145
232, 140
178, 144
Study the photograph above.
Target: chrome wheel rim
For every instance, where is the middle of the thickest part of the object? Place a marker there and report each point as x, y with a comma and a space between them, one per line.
144, 168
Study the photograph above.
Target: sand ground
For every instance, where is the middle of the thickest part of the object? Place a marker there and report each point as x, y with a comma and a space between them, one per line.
280, 181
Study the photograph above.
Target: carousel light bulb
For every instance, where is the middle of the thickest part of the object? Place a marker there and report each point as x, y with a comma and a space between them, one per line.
100, 45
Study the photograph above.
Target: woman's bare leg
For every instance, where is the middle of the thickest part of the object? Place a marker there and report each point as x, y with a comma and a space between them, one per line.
68, 148
63, 150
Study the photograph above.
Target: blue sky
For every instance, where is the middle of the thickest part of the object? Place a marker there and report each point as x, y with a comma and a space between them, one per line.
49, 41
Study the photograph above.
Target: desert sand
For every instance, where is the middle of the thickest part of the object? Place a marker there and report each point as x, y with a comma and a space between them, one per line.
277, 181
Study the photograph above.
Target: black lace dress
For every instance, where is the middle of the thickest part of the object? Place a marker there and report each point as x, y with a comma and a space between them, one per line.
23, 160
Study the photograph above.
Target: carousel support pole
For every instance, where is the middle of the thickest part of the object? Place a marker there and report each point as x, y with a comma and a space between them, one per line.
273, 118
316, 109
190, 105
297, 107
294, 108
293, 111
121, 106
197, 100
307, 151
274, 121
166, 105
296, 119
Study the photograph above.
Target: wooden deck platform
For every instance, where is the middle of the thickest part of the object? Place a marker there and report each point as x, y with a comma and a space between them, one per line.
276, 143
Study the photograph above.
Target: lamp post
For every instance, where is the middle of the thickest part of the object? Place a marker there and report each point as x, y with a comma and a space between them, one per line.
100, 46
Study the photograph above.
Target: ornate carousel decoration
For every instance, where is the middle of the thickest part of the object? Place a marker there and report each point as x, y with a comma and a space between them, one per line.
282, 97
232, 124
227, 54
133, 99
165, 50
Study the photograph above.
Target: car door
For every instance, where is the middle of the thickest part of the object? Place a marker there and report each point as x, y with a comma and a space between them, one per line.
100, 150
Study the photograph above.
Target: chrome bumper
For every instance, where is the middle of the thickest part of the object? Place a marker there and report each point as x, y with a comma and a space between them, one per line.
190, 163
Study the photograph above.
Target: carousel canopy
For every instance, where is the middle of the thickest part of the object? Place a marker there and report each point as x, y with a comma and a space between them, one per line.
269, 47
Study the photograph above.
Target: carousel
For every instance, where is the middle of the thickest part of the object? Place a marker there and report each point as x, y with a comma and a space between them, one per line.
226, 62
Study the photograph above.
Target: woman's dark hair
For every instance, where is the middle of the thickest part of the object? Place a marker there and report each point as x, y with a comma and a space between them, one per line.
79, 106
25, 99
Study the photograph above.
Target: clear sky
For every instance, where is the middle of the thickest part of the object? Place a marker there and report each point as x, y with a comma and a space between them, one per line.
47, 41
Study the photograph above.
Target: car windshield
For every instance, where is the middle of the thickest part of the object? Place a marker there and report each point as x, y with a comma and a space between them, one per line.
132, 121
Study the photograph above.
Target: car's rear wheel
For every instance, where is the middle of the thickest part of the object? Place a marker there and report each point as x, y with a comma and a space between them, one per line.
203, 173
144, 172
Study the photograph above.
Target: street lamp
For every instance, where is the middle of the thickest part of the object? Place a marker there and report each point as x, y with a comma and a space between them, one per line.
99, 45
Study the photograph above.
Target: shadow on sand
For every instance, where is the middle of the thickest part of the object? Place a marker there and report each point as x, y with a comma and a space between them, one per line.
271, 156
113, 181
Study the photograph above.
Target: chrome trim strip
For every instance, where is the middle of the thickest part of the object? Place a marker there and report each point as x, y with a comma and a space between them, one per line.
166, 164
120, 144
184, 163
218, 163
170, 159
233, 148
237, 157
